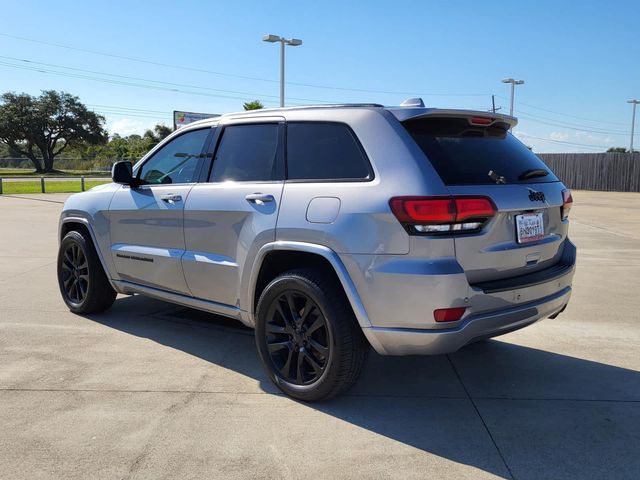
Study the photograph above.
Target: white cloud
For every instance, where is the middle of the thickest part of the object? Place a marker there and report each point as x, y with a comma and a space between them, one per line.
128, 126
593, 139
561, 136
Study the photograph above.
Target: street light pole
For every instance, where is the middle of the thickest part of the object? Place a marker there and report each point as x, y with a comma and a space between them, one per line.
513, 83
294, 42
633, 122
281, 74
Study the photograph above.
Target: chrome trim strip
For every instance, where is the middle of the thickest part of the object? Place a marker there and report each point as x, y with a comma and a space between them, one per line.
143, 250
212, 258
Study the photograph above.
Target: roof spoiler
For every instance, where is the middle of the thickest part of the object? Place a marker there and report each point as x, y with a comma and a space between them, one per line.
417, 110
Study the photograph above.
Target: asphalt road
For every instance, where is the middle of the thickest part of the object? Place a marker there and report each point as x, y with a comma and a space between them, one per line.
150, 390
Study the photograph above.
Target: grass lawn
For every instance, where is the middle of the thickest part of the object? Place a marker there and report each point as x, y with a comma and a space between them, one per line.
61, 186
27, 172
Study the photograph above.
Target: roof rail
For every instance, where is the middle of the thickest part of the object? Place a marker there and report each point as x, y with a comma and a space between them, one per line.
345, 105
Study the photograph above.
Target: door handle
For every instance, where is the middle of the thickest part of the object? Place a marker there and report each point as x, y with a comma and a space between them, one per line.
259, 198
171, 198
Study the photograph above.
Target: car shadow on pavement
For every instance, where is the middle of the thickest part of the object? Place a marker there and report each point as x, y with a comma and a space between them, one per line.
505, 409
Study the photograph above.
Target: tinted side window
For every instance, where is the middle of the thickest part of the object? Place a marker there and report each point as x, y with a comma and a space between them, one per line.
176, 162
247, 153
325, 151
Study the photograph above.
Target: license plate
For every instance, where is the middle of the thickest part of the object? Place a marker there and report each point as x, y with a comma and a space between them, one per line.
529, 227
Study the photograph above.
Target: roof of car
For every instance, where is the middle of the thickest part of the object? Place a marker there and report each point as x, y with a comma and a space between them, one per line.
401, 112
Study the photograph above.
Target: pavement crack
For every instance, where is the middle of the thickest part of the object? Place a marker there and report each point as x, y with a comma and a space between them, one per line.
181, 405
486, 427
137, 462
351, 395
25, 272
32, 199
612, 232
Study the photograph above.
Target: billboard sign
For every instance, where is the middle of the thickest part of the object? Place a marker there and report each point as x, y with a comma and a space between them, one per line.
180, 119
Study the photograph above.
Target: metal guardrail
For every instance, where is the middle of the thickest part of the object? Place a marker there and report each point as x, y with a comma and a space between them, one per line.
43, 181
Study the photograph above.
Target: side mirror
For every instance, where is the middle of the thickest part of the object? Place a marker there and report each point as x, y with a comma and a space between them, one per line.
122, 172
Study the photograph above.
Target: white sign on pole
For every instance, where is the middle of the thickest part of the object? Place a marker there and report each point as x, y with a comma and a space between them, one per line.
180, 119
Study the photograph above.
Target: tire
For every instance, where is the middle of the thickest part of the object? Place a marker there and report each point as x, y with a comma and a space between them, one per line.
304, 360
79, 265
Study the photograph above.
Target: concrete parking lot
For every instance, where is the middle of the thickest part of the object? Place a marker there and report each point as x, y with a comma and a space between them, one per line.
151, 390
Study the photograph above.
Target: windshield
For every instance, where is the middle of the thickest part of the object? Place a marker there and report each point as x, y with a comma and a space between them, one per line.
463, 154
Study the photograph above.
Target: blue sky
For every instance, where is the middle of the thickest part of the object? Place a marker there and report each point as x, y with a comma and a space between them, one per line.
580, 60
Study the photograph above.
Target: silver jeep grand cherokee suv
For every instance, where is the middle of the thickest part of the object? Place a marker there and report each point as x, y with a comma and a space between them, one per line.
331, 229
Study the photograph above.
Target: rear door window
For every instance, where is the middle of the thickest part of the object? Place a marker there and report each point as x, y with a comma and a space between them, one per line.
322, 151
248, 153
465, 155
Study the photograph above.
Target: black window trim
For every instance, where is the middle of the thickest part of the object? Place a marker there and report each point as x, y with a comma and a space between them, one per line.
212, 129
214, 144
369, 178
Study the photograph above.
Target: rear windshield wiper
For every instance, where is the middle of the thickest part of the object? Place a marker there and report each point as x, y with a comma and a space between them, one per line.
533, 173
499, 179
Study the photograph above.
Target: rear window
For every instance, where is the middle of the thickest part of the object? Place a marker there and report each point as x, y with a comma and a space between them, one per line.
465, 155
325, 151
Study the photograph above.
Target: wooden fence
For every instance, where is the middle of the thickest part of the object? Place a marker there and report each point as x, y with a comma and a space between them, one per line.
611, 172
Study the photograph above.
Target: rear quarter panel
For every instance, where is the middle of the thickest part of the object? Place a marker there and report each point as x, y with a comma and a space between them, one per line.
364, 223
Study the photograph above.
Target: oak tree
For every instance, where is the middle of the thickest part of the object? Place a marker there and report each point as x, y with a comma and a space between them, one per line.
40, 128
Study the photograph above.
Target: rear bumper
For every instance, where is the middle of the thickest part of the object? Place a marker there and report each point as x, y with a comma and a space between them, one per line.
405, 341
400, 295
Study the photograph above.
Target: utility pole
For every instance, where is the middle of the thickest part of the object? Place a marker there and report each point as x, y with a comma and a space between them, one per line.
513, 90
633, 122
493, 108
294, 42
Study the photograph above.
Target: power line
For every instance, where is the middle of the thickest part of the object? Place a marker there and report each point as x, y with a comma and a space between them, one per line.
117, 82
601, 132
562, 142
133, 59
576, 126
564, 114
159, 82
129, 114
127, 108
233, 75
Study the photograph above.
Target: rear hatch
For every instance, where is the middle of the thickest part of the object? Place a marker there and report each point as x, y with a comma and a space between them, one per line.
477, 156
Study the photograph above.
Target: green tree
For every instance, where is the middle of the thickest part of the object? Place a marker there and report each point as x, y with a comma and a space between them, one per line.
5, 151
155, 136
253, 105
40, 128
617, 150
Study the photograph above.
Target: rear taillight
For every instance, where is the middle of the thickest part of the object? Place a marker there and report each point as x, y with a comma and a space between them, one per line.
567, 202
433, 215
474, 207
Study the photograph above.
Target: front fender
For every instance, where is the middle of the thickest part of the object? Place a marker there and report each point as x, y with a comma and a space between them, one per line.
91, 209
106, 262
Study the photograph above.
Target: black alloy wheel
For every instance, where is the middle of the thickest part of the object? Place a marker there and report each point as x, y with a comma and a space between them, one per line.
297, 338
75, 273
307, 336
84, 286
